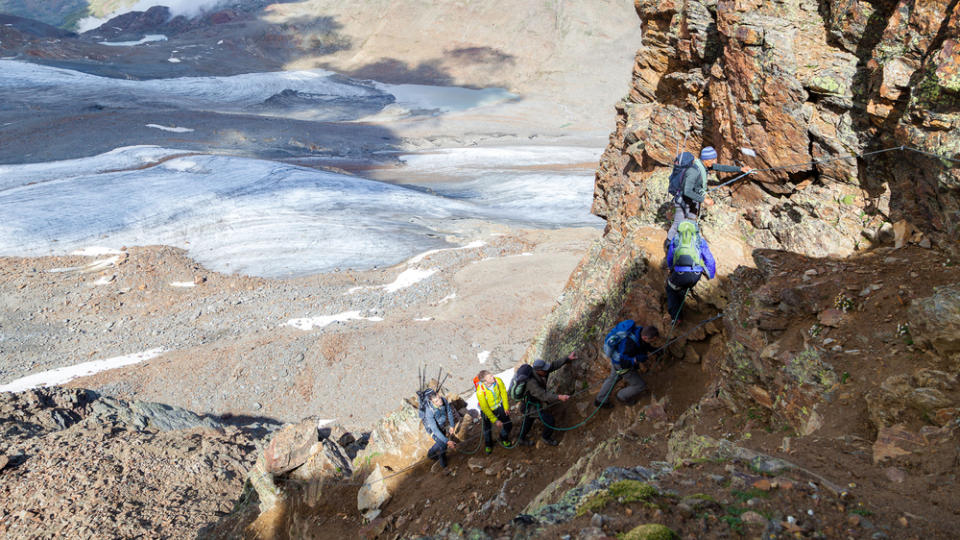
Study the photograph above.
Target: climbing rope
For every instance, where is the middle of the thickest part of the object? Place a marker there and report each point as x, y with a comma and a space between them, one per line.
837, 158
655, 351
538, 411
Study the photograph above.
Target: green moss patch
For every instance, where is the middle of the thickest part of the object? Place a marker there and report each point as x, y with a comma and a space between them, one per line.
632, 490
650, 531
594, 503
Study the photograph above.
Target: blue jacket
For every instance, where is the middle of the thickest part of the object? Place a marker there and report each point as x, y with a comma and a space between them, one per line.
635, 351
705, 254
436, 421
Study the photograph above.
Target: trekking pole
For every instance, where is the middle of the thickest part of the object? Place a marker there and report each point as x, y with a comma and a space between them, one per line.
729, 181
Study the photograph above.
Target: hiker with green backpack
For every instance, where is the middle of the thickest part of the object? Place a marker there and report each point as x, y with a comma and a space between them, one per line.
688, 184
688, 257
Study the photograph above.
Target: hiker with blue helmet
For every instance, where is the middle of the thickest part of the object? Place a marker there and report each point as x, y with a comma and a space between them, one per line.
693, 189
688, 257
438, 421
494, 406
537, 397
627, 346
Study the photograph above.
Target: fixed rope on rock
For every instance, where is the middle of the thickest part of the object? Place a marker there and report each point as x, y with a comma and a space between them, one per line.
837, 158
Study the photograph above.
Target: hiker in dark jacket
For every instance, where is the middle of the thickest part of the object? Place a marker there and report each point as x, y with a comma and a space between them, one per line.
627, 365
538, 397
687, 259
688, 201
438, 421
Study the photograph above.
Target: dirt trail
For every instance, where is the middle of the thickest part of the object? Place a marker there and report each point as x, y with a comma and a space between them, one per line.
833, 487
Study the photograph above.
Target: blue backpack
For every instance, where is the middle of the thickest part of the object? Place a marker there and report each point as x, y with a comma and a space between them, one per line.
615, 343
680, 166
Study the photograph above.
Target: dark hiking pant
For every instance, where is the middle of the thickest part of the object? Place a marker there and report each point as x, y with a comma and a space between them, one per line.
530, 414
628, 394
438, 452
488, 425
678, 283
686, 210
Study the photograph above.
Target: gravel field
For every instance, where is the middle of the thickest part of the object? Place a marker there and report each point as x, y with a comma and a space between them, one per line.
342, 345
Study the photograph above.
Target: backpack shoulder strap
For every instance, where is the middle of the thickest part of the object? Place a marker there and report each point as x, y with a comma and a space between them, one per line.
702, 170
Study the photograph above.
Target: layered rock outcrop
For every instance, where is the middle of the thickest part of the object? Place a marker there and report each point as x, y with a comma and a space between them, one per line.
796, 83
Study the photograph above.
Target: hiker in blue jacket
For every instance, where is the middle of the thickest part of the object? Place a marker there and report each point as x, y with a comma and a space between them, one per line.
628, 345
687, 259
438, 421
694, 188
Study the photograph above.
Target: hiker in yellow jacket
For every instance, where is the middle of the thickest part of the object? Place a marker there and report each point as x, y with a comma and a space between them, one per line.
492, 397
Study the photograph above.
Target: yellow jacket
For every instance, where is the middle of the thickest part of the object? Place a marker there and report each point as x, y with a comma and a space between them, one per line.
490, 399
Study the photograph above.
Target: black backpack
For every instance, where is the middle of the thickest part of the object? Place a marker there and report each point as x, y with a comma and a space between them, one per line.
518, 386
680, 166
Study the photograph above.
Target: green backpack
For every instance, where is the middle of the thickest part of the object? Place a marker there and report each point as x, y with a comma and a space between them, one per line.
687, 252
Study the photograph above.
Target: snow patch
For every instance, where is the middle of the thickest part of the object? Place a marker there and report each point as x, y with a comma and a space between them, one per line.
104, 280
174, 129
409, 277
63, 375
310, 323
187, 8
95, 266
483, 356
471, 245
447, 298
145, 39
183, 284
405, 279
96, 251
424, 319
173, 60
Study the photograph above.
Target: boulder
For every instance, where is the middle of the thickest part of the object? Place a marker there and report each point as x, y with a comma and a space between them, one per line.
650, 531
895, 441
928, 399
884, 408
373, 493
327, 464
291, 446
143, 415
830, 317
935, 320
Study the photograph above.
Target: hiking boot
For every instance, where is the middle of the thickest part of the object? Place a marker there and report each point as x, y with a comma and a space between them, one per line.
488, 450
506, 444
551, 442
608, 404
525, 442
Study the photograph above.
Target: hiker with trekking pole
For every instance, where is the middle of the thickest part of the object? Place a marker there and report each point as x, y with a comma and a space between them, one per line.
688, 185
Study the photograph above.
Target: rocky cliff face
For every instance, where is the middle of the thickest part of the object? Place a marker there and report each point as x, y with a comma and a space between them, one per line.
796, 82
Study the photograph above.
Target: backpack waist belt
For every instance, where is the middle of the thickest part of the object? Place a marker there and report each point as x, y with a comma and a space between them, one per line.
687, 269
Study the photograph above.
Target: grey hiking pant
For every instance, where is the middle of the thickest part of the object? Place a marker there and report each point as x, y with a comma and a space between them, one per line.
686, 210
629, 394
